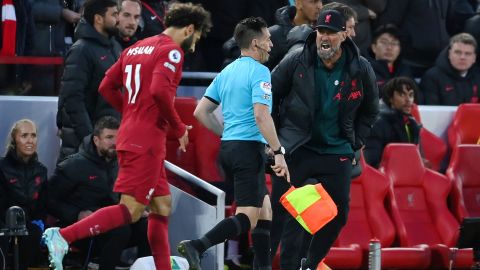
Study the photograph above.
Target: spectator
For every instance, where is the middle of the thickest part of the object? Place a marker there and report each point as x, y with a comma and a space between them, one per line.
54, 23
128, 20
23, 183
83, 183
423, 27
386, 49
297, 36
79, 104
454, 79
304, 12
152, 21
367, 12
325, 100
142, 84
395, 123
243, 90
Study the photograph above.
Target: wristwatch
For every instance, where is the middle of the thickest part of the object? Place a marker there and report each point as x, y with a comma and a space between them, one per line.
280, 151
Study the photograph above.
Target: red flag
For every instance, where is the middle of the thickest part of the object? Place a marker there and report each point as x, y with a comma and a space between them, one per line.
9, 28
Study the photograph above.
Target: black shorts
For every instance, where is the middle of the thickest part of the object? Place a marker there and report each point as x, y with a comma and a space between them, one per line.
244, 163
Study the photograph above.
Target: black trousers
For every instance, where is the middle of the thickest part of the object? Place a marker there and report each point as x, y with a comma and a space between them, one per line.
308, 167
109, 246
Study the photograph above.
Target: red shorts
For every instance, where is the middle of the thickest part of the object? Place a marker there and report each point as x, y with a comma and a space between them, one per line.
141, 175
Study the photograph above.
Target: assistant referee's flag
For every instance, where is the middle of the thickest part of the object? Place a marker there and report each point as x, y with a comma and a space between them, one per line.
9, 28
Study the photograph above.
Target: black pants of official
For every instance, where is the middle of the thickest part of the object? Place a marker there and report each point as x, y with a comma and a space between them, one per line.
308, 167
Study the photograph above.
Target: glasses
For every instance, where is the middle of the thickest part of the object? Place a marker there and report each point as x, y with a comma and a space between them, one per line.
387, 43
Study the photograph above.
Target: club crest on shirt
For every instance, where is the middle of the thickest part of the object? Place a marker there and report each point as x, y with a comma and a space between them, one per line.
266, 87
174, 56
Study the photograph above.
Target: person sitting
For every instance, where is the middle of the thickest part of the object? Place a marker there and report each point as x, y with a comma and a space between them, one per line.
23, 183
454, 79
395, 123
386, 61
83, 183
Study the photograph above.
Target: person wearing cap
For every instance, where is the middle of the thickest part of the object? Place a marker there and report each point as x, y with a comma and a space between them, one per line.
386, 61
325, 100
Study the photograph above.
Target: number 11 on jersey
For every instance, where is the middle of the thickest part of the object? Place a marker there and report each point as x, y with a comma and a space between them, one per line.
128, 82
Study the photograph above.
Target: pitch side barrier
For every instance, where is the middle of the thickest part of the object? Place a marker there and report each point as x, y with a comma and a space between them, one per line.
190, 218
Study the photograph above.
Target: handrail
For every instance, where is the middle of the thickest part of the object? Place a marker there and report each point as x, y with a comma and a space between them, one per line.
220, 209
199, 75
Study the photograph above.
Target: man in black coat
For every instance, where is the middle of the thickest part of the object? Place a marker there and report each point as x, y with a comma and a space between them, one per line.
83, 183
395, 123
79, 104
325, 101
454, 79
128, 19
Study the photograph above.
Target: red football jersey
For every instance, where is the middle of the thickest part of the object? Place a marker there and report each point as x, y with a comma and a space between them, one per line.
150, 71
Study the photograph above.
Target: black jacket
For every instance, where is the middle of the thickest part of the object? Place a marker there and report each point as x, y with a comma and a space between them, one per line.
442, 85
294, 106
152, 23
80, 105
383, 75
278, 32
24, 185
83, 181
389, 128
423, 24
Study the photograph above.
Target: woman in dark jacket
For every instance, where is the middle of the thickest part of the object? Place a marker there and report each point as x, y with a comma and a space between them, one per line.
22, 183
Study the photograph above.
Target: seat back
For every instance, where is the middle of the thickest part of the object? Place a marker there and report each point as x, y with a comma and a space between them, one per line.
465, 128
368, 217
465, 175
433, 147
200, 158
418, 198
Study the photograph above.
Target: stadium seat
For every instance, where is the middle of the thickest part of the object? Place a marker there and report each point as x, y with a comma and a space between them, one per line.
418, 206
433, 147
200, 158
464, 128
465, 175
369, 219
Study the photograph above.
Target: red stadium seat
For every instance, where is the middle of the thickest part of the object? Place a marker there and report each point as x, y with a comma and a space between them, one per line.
202, 150
465, 175
465, 128
433, 147
369, 219
418, 206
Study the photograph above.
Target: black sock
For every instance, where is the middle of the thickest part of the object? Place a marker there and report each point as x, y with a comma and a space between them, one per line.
261, 244
225, 229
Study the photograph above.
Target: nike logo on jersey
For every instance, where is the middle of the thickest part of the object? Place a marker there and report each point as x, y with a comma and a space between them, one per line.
153, 17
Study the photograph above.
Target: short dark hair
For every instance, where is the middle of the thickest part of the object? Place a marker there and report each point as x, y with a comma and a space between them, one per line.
104, 122
247, 30
183, 14
396, 85
388, 29
94, 7
345, 10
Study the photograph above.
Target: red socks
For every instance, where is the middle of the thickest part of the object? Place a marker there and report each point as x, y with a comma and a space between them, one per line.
158, 240
102, 220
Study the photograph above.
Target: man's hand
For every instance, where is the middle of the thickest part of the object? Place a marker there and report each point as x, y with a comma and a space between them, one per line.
83, 214
184, 140
280, 167
70, 16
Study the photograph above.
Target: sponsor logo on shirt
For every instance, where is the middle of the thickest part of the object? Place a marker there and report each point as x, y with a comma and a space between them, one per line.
140, 50
174, 56
266, 87
170, 66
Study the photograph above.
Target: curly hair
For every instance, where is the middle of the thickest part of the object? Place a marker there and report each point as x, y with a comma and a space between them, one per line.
183, 14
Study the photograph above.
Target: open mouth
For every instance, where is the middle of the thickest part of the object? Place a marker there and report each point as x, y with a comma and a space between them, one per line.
325, 46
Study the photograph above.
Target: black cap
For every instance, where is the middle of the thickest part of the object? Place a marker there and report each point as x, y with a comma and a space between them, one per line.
331, 19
